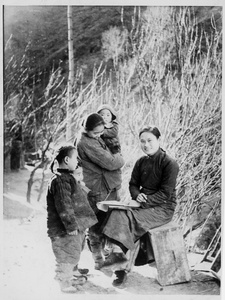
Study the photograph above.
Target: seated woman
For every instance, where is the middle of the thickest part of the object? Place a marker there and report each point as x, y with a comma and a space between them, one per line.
101, 175
152, 184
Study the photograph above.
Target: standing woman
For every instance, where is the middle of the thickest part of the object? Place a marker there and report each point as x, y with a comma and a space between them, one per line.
152, 185
101, 175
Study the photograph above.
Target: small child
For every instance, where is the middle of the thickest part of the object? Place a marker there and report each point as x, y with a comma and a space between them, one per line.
69, 215
110, 135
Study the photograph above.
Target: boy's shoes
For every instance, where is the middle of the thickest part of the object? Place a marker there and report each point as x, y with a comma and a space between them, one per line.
83, 271
80, 272
78, 280
70, 285
114, 259
121, 277
70, 289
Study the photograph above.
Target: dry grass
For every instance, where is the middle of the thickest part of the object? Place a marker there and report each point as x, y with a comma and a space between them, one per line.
185, 105
161, 77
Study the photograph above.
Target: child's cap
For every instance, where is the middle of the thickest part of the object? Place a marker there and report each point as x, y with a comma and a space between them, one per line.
106, 106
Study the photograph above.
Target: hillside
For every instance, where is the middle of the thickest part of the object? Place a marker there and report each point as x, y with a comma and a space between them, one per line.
44, 28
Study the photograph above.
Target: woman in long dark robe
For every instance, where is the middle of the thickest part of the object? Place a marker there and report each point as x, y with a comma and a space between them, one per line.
152, 184
102, 176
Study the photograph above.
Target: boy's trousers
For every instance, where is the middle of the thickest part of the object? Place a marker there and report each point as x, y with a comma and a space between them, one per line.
67, 250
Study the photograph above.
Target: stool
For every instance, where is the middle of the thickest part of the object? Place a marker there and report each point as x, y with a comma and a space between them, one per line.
170, 254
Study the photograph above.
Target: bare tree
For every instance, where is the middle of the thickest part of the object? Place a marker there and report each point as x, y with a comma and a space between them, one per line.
71, 75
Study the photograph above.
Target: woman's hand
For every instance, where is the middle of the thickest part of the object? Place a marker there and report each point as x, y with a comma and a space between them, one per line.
75, 232
141, 198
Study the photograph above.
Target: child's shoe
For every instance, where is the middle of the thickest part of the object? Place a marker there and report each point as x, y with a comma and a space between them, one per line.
80, 271
83, 271
78, 280
69, 289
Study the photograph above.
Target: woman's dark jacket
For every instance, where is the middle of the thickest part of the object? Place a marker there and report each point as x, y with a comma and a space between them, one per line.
101, 168
67, 205
156, 177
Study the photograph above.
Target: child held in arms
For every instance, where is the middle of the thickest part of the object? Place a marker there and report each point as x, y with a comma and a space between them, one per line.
110, 135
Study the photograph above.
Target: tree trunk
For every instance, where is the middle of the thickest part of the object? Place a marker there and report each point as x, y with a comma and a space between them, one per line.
70, 77
30, 183
42, 180
42, 163
22, 159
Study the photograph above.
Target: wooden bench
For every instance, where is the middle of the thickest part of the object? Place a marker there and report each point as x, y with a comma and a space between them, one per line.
170, 254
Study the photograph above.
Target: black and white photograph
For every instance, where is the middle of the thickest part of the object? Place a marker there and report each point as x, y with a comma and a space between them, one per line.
112, 150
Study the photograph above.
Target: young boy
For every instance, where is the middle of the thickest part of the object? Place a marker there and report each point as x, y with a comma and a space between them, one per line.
110, 135
69, 215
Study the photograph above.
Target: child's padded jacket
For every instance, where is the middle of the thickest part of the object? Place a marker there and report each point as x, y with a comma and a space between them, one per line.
67, 205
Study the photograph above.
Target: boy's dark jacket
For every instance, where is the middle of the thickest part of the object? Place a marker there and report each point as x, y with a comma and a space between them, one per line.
67, 205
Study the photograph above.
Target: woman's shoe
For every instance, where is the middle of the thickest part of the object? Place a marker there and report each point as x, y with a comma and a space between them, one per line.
121, 277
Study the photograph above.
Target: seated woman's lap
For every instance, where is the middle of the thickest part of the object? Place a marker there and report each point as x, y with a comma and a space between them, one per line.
126, 227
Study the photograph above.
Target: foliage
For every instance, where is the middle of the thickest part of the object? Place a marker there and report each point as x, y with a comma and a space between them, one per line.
167, 70
45, 29
113, 41
184, 102
53, 120
35, 43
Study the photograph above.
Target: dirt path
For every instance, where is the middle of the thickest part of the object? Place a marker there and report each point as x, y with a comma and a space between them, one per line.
28, 266
28, 269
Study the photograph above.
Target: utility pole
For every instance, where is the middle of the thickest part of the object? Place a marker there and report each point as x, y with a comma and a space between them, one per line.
70, 76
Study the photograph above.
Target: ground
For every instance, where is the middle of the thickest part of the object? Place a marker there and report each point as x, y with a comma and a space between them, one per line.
28, 262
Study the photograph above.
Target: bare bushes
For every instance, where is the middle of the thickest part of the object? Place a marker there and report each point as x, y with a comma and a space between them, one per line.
162, 76
167, 79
